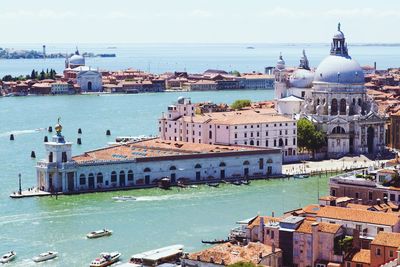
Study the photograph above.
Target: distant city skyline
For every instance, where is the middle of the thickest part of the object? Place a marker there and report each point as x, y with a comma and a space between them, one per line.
203, 21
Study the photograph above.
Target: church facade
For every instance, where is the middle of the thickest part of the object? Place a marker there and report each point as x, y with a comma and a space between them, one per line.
333, 96
88, 79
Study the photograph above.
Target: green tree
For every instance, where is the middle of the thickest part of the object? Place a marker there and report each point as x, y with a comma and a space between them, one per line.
235, 73
241, 103
7, 78
42, 75
242, 264
33, 75
309, 137
346, 244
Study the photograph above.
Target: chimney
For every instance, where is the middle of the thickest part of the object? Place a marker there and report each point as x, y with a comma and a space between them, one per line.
356, 239
273, 214
385, 199
378, 201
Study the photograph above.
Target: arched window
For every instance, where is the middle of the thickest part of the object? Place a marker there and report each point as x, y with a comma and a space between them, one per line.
318, 101
130, 175
251, 142
51, 157
222, 164
197, 166
334, 107
147, 169
342, 106
99, 178
246, 162
269, 161
82, 179
172, 168
280, 142
359, 101
113, 177
121, 175
338, 130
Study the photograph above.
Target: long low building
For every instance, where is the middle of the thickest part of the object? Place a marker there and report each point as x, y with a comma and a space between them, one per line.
144, 163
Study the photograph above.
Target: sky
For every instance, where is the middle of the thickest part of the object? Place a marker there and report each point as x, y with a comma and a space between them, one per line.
197, 21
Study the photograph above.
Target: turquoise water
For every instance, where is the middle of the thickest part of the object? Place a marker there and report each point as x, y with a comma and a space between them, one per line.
196, 58
158, 218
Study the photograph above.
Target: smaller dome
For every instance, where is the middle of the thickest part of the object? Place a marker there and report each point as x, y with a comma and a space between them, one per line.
77, 60
338, 35
301, 78
58, 128
280, 64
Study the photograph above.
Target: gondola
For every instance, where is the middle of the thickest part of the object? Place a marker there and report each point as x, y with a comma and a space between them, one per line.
213, 184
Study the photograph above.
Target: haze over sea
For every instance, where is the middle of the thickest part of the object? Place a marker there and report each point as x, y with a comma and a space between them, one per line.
196, 58
158, 218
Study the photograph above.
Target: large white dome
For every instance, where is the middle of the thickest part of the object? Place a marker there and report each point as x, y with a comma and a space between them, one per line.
77, 60
339, 69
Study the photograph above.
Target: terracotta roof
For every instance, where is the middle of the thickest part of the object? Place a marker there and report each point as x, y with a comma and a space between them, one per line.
267, 219
306, 227
230, 254
248, 116
357, 215
358, 206
312, 209
157, 148
387, 239
362, 256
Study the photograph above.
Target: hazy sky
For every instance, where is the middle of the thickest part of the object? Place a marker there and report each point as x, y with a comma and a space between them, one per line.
206, 21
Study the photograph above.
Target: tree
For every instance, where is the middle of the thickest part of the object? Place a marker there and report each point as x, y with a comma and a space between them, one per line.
42, 75
33, 75
242, 264
241, 103
309, 137
7, 78
235, 73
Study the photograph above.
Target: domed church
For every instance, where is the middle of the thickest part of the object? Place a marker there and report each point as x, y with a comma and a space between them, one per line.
335, 100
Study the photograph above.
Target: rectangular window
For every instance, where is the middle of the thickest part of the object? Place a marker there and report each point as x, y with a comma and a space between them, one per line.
251, 134
245, 135
275, 143
266, 133
261, 164
392, 197
266, 143
82, 181
294, 141
380, 229
369, 195
391, 254
286, 142
378, 252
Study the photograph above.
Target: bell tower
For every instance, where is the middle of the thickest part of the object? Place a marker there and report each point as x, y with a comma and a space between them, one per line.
280, 85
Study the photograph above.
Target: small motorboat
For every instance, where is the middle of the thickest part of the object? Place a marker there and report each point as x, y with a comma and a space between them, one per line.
194, 186
301, 176
215, 241
99, 233
106, 259
124, 198
45, 256
213, 184
181, 184
246, 182
9, 256
236, 183
164, 183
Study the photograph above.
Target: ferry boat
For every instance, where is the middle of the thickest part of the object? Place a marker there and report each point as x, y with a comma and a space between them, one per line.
45, 256
99, 233
106, 259
9, 256
300, 176
213, 184
124, 198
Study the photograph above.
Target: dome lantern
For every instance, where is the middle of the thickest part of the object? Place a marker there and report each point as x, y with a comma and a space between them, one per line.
339, 46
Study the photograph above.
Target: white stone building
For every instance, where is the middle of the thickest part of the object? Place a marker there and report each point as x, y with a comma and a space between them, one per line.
61, 88
252, 127
142, 164
335, 99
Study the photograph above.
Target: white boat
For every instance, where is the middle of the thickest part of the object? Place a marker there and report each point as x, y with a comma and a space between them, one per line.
9, 256
106, 259
45, 256
124, 198
99, 233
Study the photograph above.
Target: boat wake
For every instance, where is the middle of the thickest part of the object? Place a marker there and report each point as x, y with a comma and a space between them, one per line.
21, 132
